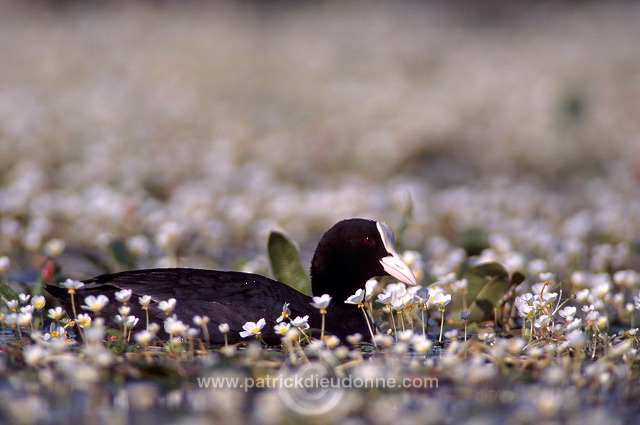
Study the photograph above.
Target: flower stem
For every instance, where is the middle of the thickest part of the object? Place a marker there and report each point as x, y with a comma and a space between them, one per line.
393, 323
441, 326
322, 328
366, 318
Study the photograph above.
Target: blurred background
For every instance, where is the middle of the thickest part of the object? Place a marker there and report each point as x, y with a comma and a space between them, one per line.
213, 122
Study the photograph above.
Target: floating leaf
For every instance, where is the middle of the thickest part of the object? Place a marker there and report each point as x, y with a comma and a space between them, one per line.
487, 284
122, 254
286, 264
498, 284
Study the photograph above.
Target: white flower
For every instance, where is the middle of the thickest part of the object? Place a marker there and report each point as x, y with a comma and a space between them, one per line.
549, 298
200, 320
144, 301
123, 296
13, 305
83, 320
54, 247
582, 295
144, 337
354, 339
525, 310
56, 313
95, 304
282, 328
356, 298
301, 322
541, 321
24, 319
124, 310
285, 313
461, 284
174, 327
421, 344
24, 298
423, 296
636, 302
369, 287
385, 298
332, 341
34, 354
321, 302
252, 328
568, 312
27, 309
588, 308
576, 338
405, 335
55, 332
167, 306
72, 285
441, 299
38, 302
223, 328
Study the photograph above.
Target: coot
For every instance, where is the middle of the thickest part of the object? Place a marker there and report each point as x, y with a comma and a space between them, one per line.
348, 254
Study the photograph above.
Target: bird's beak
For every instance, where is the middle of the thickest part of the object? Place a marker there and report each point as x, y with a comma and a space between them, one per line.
393, 263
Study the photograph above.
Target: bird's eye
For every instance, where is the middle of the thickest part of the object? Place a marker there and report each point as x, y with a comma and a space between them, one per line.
368, 240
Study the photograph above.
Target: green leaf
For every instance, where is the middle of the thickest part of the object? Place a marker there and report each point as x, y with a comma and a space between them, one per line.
7, 293
487, 284
122, 254
286, 264
498, 282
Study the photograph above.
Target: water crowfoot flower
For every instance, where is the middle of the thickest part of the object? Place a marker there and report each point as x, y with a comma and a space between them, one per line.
38, 302
175, 327
464, 315
358, 299
144, 337
203, 321
13, 305
167, 306
253, 328
285, 313
72, 286
422, 298
123, 296
301, 323
56, 313
224, 330
83, 320
440, 300
282, 328
145, 301
321, 303
95, 304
